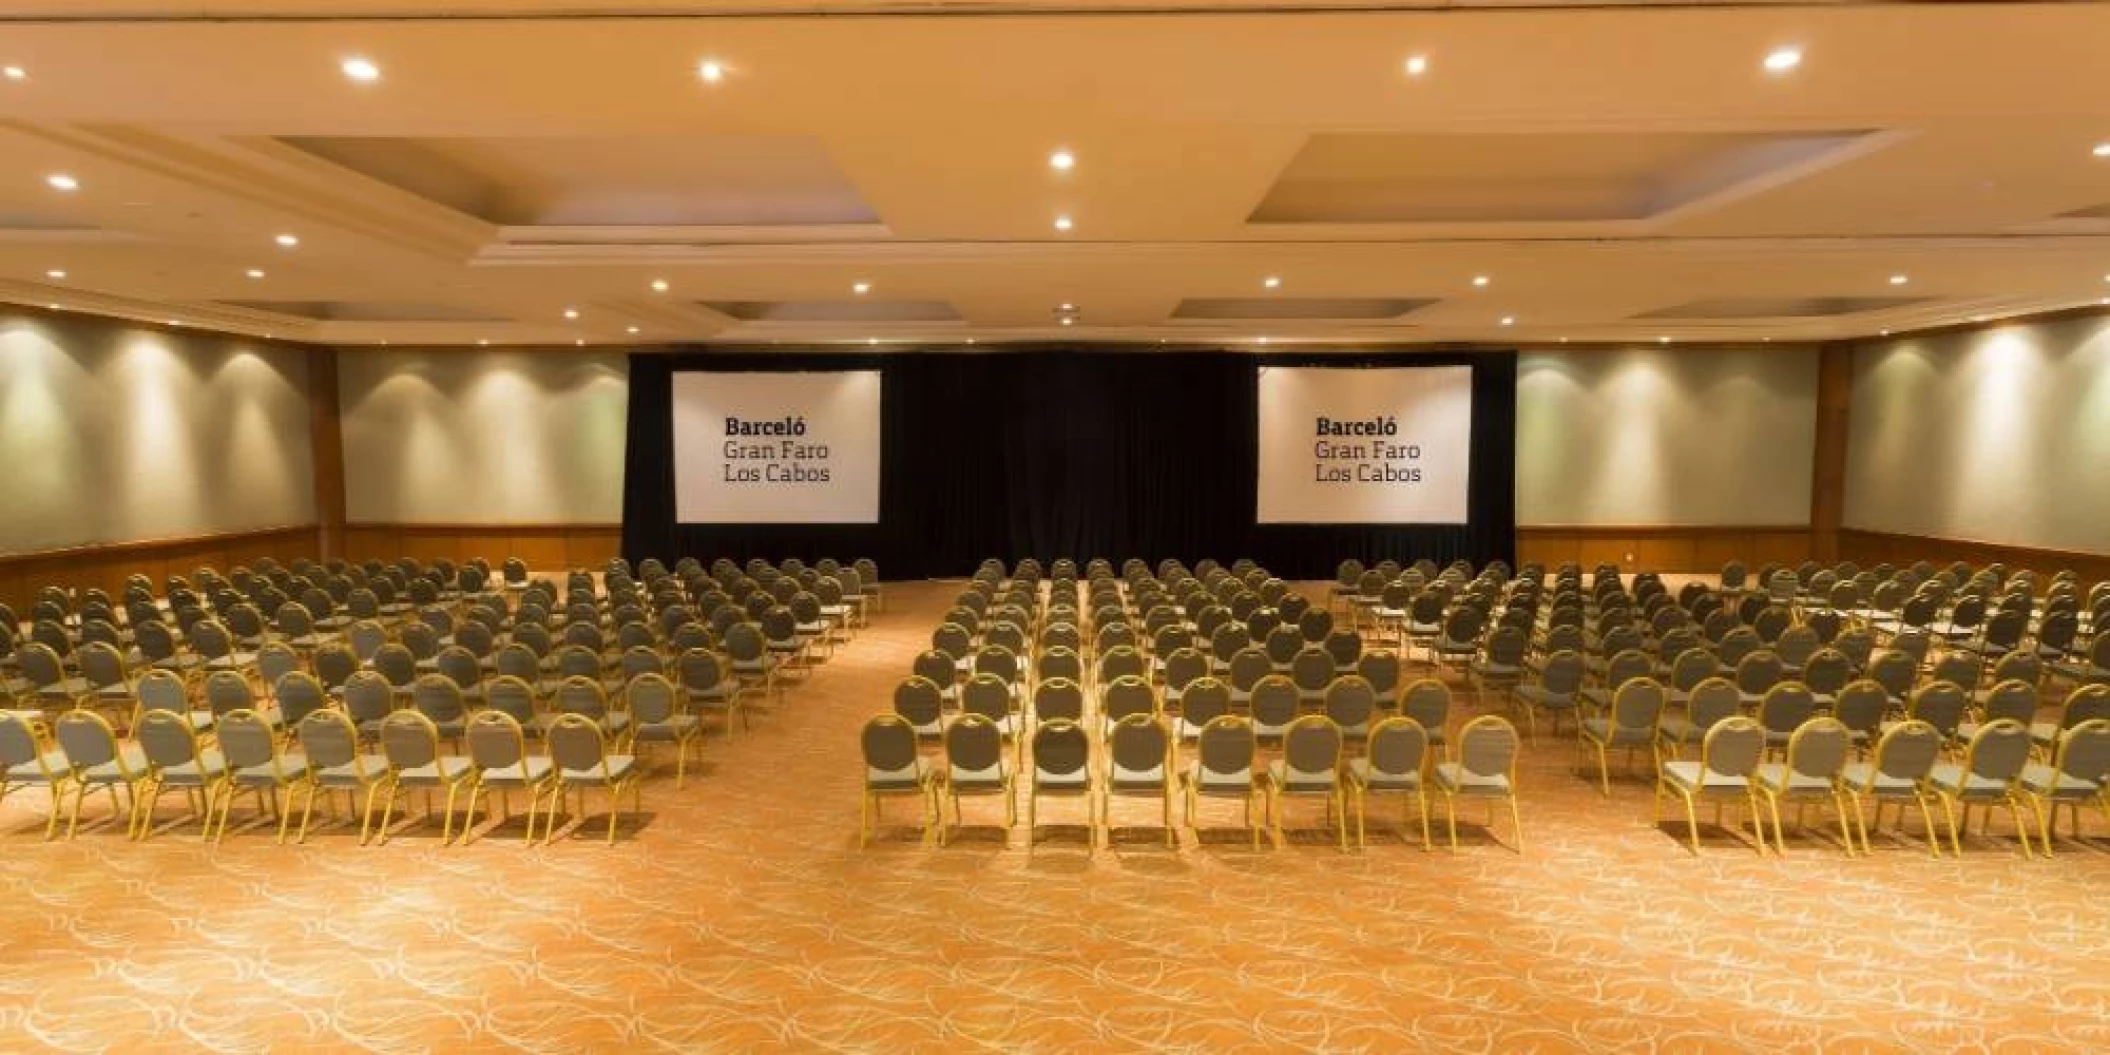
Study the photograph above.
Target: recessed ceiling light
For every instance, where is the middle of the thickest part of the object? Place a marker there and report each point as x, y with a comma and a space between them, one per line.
871, 340
861, 288
53, 307
970, 340
632, 329
361, 69
1662, 340
1069, 320
1899, 280
1062, 223
1417, 65
1263, 340
711, 70
580, 342
1062, 161
54, 273
486, 341
1977, 318
571, 313
62, 182
173, 322
256, 272
287, 241
659, 285
1884, 333
1481, 281
14, 73
2102, 150
1781, 60
1272, 282
1564, 340
1509, 320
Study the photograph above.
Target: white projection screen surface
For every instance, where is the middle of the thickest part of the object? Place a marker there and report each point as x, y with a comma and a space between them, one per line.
776, 448
1365, 446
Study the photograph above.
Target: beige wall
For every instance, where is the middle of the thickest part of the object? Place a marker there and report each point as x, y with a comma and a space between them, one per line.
1666, 436
1999, 435
461, 437
116, 433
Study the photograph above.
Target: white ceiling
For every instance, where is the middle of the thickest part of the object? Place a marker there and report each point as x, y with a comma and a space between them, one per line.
1617, 172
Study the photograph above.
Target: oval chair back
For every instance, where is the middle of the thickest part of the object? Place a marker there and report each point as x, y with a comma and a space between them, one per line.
2013, 699
368, 697
496, 740
1940, 704
2084, 752
1205, 700
513, 696
1397, 748
888, 744
1732, 748
1487, 747
1637, 704
1126, 695
1057, 699
1225, 752
989, 696
1138, 749
1907, 752
1428, 702
650, 698
1998, 753
582, 696
918, 702
973, 745
1351, 703
409, 741
1311, 753
1061, 752
1819, 748
299, 694
1785, 707
1859, 705
227, 691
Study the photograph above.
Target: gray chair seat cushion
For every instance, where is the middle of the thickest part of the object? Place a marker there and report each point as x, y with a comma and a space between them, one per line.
1359, 770
232, 661
1204, 782
65, 688
135, 761
1951, 778
1858, 774
2044, 732
54, 762
676, 727
210, 766
438, 773
1777, 777
1294, 784
1457, 780
908, 778
526, 772
618, 767
1062, 783
1686, 775
2039, 779
293, 766
347, 775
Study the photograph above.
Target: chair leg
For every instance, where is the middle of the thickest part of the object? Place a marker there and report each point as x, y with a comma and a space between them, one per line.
1516, 822
387, 811
864, 818
1846, 833
1604, 771
2047, 819
2014, 809
1692, 823
1926, 817
1421, 798
1780, 837
1361, 837
1948, 807
1450, 810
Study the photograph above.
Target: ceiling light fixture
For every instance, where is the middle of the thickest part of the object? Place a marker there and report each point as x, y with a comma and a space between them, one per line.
1662, 340
54, 273
659, 285
571, 313
861, 288
1062, 161
1069, 320
2102, 150
579, 342
871, 340
14, 73
256, 272
361, 69
632, 329
60, 181
1272, 282
1782, 60
1481, 281
1063, 223
1263, 340
1899, 280
287, 241
1509, 320
485, 341
1417, 65
1884, 333
711, 70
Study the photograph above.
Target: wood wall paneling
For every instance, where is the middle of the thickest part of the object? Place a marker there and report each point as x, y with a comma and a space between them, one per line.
1661, 548
1878, 547
107, 567
542, 546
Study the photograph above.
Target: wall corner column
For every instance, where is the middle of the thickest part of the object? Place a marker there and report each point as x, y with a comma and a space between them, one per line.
1835, 400
326, 436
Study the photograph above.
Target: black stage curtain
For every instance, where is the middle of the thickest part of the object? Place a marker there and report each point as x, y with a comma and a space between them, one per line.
1068, 452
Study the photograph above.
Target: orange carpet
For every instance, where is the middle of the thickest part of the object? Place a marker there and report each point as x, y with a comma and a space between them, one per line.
740, 915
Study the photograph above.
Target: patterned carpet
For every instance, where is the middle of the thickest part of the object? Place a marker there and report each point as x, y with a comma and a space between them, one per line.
741, 916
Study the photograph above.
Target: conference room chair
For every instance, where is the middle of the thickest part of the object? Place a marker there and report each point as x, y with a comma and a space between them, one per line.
656, 717
588, 698
710, 688
1383, 670
893, 767
1622, 668
1485, 767
1557, 690
256, 764
1897, 772
28, 760
46, 679
2084, 704
1860, 706
1226, 754
330, 741
1311, 670
410, 751
1630, 723
1812, 772
1943, 705
1062, 768
500, 761
1500, 665
975, 765
439, 699
1351, 703
2079, 775
2013, 699
1139, 765
174, 759
580, 751
1990, 775
1428, 702
1310, 767
1205, 700
1058, 699
1248, 666
107, 676
1392, 763
1730, 753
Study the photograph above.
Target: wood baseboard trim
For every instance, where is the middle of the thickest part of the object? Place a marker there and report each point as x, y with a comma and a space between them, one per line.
1876, 547
107, 566
542, 546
